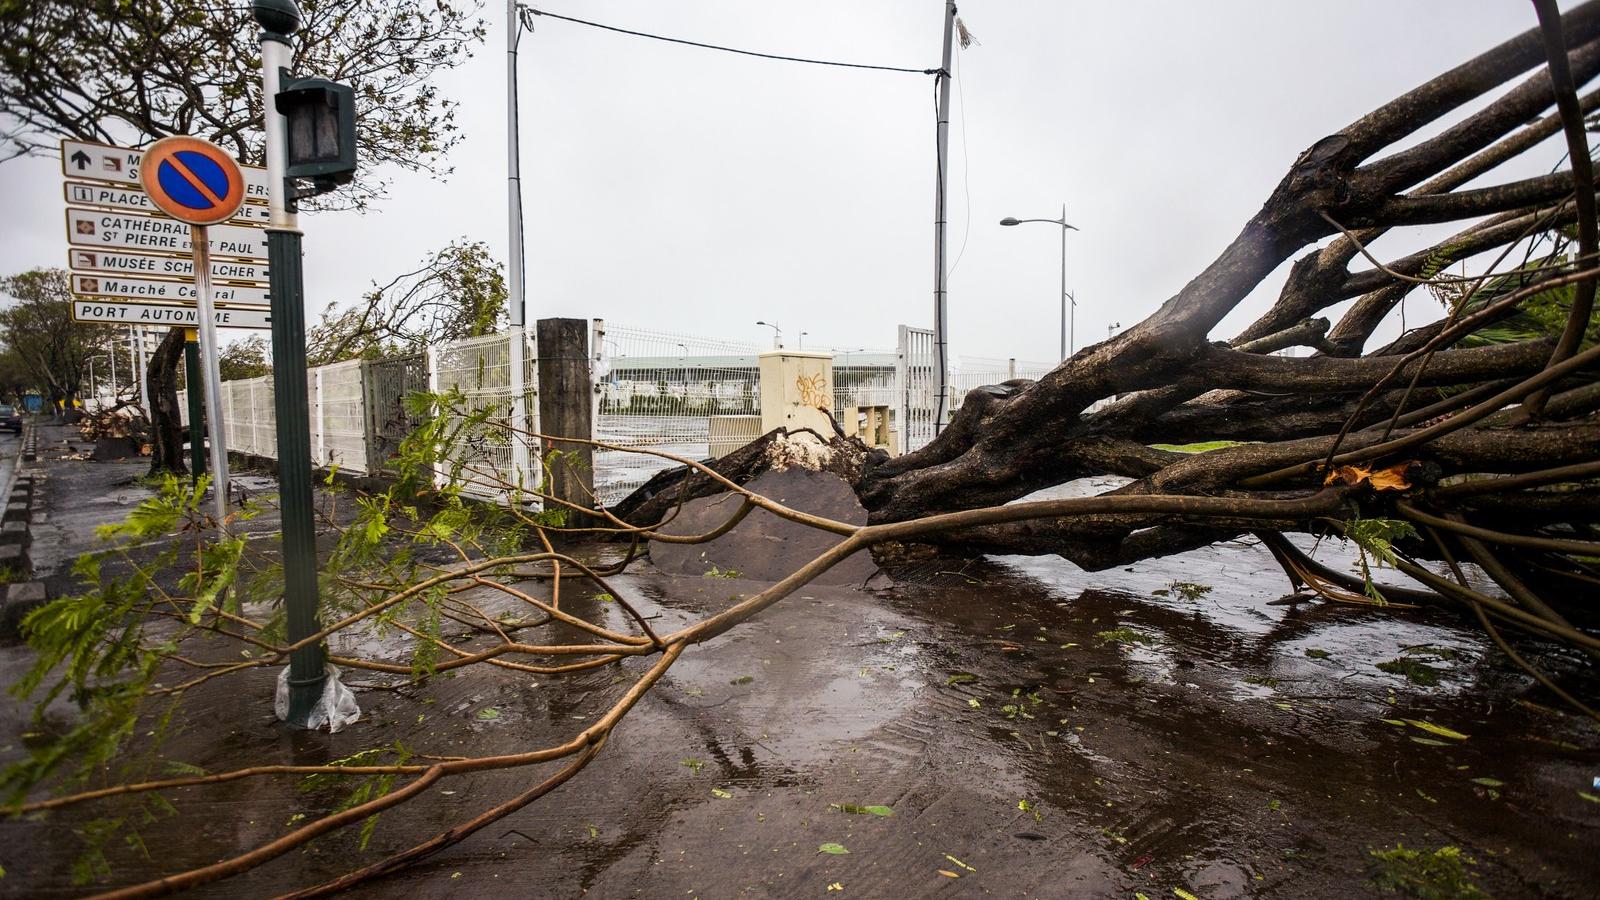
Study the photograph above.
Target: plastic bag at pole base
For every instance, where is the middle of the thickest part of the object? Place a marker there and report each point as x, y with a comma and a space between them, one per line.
336, 708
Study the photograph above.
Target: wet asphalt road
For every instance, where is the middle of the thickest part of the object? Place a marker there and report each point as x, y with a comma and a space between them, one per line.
1037, 731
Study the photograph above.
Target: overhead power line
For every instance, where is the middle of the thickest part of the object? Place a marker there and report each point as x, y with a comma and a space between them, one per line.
673, 40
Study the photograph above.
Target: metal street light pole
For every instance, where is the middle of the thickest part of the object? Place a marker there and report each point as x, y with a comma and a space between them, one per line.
777, 334
1069, 303
279, 20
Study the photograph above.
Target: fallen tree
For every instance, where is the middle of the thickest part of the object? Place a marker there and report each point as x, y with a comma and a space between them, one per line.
1504, 384
1472, 439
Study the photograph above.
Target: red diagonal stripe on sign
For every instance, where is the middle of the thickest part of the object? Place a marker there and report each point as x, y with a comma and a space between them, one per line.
193, 179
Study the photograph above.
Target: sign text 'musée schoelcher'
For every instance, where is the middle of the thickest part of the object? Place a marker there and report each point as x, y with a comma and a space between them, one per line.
119, 262
158, 234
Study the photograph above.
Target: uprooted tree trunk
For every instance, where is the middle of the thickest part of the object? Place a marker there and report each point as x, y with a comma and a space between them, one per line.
1503, 386
161, 382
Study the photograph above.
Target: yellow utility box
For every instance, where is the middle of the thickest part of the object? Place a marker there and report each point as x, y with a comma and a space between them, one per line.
797, 391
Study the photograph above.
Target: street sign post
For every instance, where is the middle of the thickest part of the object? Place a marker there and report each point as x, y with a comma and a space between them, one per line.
118, 262
139, 312
196, 182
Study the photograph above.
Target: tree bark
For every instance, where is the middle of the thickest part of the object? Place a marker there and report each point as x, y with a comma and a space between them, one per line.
166, 426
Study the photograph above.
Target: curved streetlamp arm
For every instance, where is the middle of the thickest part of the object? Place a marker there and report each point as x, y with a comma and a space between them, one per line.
1051, 221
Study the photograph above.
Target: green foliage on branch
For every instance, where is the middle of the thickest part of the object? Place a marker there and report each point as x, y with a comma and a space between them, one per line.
170, 588
130, 71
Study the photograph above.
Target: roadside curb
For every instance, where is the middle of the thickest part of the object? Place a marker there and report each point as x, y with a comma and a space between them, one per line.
22, 595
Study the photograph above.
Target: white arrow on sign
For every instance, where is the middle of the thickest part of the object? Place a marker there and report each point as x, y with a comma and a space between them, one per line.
118, 262
158, 234
134, 197
153, 289
133, 312
103, 162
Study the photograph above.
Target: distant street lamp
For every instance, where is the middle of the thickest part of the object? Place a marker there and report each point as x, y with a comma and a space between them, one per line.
683, 370
94, 391
1111, 329
1069, 304
803, 339
777, 334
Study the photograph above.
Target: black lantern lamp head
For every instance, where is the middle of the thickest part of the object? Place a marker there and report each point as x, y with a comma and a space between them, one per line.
279, 17
320, 117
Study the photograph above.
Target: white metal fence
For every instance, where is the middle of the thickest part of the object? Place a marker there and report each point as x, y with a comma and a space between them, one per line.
338, 423
659, 390
653, 389
916, 387
495, 451
247, 414
976, 371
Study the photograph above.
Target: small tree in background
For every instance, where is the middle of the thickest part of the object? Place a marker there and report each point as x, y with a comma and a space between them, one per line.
132, 72
456, 292
39, 329
249, 358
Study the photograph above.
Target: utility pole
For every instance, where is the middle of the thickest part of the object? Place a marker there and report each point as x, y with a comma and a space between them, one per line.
515, 265
279, 20
941, 330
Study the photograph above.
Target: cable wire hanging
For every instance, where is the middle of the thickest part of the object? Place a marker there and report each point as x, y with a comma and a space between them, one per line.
672, 40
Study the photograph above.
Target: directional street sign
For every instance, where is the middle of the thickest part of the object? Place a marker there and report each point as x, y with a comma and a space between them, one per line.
121, 263
133, 312
192, 180
130, 197
171, 291
81, 159
158, 234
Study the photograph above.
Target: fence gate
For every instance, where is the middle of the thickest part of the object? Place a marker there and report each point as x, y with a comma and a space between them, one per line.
916, 387
389, 381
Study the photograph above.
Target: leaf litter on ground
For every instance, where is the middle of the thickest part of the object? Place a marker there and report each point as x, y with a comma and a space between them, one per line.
861, 810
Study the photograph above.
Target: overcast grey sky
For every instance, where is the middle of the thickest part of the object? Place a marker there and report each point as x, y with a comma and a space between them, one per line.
687, 190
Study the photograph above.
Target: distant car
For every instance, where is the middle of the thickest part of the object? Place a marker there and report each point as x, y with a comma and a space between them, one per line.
9, 420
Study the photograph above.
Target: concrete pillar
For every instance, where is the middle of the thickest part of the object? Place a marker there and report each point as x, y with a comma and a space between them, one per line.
566, 407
